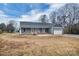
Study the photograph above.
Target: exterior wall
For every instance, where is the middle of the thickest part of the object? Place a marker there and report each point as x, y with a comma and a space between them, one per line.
53, 30
25, 31
56, 30
33, 30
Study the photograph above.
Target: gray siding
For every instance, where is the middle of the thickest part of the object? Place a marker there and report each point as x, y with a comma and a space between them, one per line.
35, 25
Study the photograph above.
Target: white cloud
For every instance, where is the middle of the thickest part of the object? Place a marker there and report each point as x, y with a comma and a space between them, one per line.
2, 14
56, 5
32, 16
35, 14
5, 19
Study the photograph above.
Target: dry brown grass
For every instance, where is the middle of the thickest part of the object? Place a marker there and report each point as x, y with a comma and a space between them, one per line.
14, 44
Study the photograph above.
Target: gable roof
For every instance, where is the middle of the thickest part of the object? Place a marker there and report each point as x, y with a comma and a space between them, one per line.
35, 25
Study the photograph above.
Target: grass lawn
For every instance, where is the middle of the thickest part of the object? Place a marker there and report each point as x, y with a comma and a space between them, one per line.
24, 45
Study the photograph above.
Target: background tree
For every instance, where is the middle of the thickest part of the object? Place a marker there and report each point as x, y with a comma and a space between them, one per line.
10, 28
43, 18
13, 22
52, 17
2, 27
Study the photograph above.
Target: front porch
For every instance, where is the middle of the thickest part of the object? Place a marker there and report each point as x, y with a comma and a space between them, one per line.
35, 30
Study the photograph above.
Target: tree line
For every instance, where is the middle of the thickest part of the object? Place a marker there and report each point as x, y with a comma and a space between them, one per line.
66, 16
7, 28
72, 29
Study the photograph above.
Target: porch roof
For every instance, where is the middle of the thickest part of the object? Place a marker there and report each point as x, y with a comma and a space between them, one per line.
35, 25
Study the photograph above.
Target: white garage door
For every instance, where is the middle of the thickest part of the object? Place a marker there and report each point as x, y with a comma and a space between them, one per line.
57, 31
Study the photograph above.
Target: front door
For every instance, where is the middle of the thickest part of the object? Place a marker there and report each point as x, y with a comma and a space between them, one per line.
47, 30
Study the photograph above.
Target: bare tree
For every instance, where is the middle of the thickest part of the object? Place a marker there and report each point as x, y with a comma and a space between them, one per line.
52, 17
10, 28
43, 18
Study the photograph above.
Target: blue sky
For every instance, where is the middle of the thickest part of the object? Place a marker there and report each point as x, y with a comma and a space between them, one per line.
18, 9
25, 11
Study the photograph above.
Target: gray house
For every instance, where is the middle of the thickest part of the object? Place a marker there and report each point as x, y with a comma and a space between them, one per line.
39, 28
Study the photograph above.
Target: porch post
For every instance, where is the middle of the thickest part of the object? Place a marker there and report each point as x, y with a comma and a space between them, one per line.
20, 30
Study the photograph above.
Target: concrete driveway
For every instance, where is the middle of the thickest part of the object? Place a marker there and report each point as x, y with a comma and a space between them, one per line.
71, 35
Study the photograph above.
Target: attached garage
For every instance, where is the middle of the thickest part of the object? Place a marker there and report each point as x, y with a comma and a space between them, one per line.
58, 30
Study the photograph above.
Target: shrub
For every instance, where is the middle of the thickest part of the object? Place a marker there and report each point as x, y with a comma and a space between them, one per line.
1, 31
